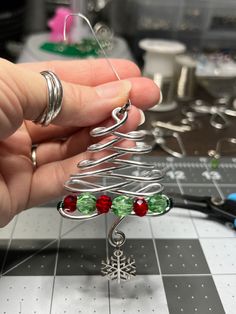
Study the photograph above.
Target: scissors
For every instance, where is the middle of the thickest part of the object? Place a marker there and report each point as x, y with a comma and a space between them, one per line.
218, 112
218, 208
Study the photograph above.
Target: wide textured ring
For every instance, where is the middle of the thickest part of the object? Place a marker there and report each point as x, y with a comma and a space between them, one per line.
55, 95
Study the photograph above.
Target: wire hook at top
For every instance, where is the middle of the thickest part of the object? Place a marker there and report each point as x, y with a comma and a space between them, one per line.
128, 104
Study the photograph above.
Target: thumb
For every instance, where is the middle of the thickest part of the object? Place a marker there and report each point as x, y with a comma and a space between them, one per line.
24, 95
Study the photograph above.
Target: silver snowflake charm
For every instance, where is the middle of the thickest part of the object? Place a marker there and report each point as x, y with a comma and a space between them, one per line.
118, 267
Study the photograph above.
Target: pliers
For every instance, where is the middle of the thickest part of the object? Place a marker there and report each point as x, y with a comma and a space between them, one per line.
221, 209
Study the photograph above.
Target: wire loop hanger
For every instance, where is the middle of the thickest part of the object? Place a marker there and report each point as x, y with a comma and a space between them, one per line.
126, 106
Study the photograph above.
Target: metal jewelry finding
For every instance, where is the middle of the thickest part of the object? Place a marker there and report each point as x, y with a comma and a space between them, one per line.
118, 267
171, 127
55, 95
218, 113
161, 137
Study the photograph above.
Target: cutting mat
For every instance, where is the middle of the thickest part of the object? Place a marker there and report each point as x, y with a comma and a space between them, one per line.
185, 262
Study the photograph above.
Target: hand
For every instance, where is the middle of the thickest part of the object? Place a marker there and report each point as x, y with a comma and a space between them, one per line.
91, 92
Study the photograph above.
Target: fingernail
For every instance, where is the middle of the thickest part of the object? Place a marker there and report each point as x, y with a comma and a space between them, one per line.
142, 117
160, 98
114, 89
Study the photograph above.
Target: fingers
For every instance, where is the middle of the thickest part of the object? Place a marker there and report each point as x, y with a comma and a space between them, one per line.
77, 143
84, 106
52, 132
92, 72
87, 72
23, 95
48, 180
92, 110
95, 104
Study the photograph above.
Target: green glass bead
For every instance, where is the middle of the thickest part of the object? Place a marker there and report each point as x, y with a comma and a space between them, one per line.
122, 205
215, 163
86, 203
158, 203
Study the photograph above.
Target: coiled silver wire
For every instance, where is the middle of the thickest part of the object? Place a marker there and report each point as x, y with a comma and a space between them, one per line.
94, 174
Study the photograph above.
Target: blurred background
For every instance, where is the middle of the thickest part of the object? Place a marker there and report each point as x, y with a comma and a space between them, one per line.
186, 46
208, 25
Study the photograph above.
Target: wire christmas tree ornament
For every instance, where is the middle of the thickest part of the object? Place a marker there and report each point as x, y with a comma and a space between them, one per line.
110, 181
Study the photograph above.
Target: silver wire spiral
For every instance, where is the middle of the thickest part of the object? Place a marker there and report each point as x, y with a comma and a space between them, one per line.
95, 174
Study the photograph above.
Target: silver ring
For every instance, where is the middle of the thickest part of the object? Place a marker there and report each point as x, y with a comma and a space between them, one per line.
33, 156
55, 95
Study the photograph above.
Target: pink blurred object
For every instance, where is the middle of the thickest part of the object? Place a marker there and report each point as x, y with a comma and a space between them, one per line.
56, 24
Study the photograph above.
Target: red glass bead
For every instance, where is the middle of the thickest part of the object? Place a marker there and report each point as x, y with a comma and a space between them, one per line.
103, 204
140, 207
70, 203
